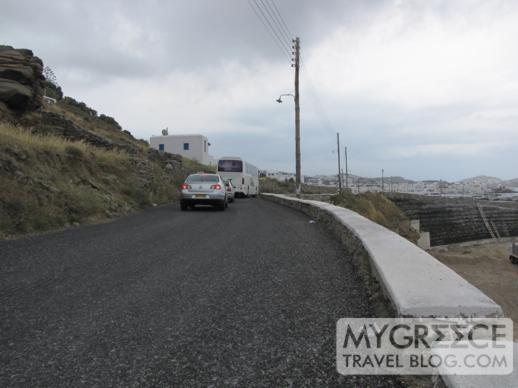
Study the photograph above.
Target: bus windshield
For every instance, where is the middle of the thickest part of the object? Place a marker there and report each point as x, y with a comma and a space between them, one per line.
230, 166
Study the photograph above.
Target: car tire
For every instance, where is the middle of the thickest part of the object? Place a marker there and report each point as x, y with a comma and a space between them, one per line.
222, 206
183, 206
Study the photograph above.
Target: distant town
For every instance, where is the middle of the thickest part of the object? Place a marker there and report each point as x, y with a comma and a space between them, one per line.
480, 186
196, 147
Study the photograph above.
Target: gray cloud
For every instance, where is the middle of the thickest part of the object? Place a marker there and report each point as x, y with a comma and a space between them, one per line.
413, 86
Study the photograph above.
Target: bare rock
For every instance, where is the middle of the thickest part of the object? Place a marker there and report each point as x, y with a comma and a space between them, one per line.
21, 79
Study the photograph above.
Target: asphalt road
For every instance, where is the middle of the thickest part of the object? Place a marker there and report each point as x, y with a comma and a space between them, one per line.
245, 297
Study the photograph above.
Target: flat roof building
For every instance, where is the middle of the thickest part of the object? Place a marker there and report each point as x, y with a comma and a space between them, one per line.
195, 147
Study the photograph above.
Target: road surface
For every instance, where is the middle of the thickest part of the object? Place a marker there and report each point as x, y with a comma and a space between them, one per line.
245, 297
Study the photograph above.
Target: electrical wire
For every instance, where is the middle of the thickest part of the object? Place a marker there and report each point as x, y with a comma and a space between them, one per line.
273, 21
276, 23
283, 22
267, 25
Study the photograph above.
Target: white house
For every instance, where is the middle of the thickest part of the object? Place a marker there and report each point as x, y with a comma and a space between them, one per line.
195, 147
281, 176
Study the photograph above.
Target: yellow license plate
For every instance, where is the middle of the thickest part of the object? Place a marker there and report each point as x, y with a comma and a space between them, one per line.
200, 196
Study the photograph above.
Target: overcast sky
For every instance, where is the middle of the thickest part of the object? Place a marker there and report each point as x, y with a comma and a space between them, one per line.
424, 89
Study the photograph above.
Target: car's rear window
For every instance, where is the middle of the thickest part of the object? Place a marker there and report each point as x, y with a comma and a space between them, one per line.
202, 178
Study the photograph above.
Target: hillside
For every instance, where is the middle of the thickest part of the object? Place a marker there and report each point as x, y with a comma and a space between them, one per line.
62, 163
483, 180
512, 183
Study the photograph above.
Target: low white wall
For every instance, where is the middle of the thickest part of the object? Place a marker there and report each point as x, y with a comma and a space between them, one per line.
416, 284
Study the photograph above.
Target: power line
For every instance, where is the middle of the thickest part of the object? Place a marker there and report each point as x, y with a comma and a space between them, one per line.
283, 22
276, 22
270, 29
267, 29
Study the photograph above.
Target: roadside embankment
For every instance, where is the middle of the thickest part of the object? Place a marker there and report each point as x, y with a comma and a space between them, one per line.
62, 163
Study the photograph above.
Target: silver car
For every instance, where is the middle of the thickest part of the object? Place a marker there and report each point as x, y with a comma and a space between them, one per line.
231, 192
203, 189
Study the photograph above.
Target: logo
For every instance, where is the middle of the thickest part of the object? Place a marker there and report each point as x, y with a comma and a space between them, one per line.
461, 346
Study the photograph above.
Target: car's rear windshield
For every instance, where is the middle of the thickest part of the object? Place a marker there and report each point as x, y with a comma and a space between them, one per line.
202, 178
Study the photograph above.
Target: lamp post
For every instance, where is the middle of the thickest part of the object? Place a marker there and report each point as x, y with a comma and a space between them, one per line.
297, 140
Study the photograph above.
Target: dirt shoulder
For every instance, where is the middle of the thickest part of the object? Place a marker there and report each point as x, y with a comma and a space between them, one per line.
486, 265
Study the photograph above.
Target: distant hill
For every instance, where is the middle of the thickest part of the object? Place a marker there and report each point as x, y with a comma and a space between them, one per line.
483, 180
512, 182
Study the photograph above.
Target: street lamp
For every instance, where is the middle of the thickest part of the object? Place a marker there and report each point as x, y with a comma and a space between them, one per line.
279, 100
297, 140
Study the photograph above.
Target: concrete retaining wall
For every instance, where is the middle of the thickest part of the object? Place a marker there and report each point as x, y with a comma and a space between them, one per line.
415, 283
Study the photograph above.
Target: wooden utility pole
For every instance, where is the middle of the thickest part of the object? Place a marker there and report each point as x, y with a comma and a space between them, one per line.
339, 169
346, 170
296, 46
382, 173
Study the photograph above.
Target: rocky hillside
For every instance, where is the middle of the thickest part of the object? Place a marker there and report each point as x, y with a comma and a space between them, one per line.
63, 164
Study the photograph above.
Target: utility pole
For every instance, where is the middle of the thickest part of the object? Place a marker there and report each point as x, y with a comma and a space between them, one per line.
382, 172
346, 171
339, 169
296, 46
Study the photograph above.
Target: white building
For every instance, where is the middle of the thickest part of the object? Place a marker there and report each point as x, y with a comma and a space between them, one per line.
195, 147
281, 176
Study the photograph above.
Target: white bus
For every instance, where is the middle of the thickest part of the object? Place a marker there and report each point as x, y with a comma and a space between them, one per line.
244, 176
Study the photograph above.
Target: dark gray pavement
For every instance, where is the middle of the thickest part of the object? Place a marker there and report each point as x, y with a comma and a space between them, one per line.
245, 297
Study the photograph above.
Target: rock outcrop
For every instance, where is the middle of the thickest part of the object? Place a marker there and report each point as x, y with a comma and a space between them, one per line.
21, 80
57, 125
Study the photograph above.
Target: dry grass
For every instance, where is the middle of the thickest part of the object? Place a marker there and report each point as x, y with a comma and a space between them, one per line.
93, 124
270, 185
48, 182
20, 138
378, 208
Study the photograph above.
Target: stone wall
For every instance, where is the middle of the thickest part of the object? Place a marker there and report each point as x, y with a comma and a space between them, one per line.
454, 220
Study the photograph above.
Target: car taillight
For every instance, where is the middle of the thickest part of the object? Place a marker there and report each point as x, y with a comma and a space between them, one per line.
229, 189
217, 186
185, 186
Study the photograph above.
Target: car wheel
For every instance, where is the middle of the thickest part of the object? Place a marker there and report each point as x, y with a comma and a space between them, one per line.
183, 206
222, 206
